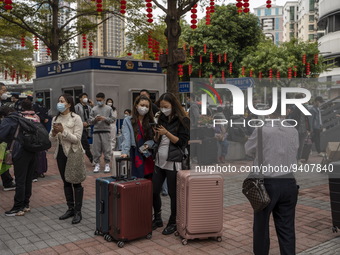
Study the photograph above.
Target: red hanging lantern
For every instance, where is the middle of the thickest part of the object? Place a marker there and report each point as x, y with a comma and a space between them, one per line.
246, 6
23, 41
222, 74
269, 4
289, 73
194, 17
190, 69
219, 58
211, 78
18, 75
84, 41
180, 70
8, 5
270, 74
260, 75
191, 51
225, 57
239, 6
201, 60
36, 43
295, 71
278, 75
13, 75
212, 6
200, 73
316, 59
150, 41
207, 16
48, 51
250, 73
211, 58
205, 48
304, 59
99, 6
230, 67
123, 7
149, 10
307, 69
243, 71
90, 48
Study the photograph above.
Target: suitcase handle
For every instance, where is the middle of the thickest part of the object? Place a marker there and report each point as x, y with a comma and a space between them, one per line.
128, 170
101, 210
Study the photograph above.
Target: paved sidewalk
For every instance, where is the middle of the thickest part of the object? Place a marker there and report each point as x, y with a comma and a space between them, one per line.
40, 231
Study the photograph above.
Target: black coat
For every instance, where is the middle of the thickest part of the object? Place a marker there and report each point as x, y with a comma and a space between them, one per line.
175, 127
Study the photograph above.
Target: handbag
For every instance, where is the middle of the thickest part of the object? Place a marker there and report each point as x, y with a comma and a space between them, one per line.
253, 187
75, 171
8, 159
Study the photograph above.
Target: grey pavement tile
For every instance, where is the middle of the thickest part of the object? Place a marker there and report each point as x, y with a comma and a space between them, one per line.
30, 247
23, 241
41, 245
34, 238
5, 237
16, 235
17, 250
27, 233
52, 242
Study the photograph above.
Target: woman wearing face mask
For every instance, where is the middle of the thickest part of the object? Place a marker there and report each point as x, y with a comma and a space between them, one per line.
172, 136
67, 129
137, 138
113, 133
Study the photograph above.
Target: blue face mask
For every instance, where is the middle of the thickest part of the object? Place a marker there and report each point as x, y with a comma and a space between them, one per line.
100, 103
39, 100
61, 107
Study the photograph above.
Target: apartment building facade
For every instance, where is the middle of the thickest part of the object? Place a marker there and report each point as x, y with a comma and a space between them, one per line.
290, 20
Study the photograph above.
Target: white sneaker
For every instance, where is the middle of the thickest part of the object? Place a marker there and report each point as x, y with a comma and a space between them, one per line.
107, 168
97, 168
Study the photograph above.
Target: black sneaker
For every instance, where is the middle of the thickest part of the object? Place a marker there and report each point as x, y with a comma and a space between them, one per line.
15, 212
10, 187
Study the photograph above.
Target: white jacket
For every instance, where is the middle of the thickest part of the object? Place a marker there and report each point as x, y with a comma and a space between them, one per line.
71, 136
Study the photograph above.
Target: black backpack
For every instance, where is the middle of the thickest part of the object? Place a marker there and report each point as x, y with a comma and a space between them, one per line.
34, 136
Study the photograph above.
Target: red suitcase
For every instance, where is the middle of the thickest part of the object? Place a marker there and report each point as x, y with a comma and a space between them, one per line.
199, 205
130, 209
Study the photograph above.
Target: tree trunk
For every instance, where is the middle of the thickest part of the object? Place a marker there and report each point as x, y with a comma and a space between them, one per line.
55, 33
173, 33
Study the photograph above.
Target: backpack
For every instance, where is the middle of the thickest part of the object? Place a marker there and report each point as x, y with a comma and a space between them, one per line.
34, 136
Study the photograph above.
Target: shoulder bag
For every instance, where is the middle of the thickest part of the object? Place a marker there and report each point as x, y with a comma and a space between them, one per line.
75, 171
253, 186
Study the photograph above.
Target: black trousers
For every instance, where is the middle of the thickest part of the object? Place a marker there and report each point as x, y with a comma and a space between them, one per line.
86, 145
316, 139
61, 162
158, 178
23, 172
283, 194
6, 179
302, 138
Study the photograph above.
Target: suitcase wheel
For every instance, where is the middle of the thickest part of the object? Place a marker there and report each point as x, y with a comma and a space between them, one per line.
149, 236
176, 233
219, 239
184, 241
120, 244
108, 238
335, 229
96, 233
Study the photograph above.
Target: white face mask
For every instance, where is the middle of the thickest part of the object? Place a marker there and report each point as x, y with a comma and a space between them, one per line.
142, 110
4, 96
166, 111
109, 104
125, 115
85, 100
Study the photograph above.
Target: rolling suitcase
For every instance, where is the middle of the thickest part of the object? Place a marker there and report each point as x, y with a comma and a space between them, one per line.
207, 151
199, 205
102, 205
130, 208
334, 192
307, 148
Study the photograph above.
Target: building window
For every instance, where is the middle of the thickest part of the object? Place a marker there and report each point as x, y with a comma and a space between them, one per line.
267, 12
291, 35
277, 11
291, 26
311, 37
291, 13
311, 5
311, 27
311, 18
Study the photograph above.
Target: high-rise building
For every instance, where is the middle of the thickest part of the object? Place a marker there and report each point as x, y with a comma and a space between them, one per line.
329, 46
290, 21
109, 39
307, 23
271, 21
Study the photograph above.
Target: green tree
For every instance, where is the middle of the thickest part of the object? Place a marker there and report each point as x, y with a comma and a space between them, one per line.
235, 34
12, 55
280, 58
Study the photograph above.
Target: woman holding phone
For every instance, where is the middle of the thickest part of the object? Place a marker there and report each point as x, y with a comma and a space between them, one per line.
67, 129
138, 138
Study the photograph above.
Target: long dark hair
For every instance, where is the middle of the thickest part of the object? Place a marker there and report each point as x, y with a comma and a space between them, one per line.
113, 108
69, 100
148, 118
177, 109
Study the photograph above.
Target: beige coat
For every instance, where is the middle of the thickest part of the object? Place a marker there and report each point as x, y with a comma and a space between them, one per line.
71, 136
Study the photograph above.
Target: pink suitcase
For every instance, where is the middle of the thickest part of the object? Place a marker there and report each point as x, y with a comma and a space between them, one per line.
199, 205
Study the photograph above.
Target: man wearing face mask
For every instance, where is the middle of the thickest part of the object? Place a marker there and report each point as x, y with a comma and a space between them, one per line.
101, 116
83, 109
7, 180
40, 109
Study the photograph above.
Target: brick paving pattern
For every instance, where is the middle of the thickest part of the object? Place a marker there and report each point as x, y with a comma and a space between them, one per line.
41, 232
